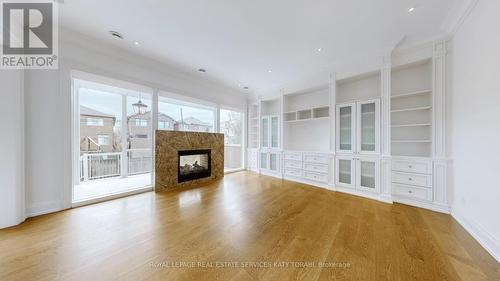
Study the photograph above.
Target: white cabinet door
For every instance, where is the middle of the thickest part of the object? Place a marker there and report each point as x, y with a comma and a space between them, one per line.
264, 161
367, 174
345, 171
274, 160
368, 127
264, 132
275, 131
346, 133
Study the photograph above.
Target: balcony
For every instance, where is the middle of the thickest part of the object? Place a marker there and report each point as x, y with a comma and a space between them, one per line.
101, 174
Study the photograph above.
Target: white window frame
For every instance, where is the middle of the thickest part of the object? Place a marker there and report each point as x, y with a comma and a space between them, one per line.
94, 121
103, 137
243, 137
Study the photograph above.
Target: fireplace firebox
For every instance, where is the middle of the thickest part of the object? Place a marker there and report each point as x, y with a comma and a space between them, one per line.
194, 164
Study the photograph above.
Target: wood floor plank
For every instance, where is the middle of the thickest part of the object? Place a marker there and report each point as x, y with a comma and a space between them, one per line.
245, 227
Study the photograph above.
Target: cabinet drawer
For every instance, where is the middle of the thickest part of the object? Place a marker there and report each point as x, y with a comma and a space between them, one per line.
316, 177
412, 192
293, 173
420, 167
316, 168
297, 156
316, 158
412, 179
293, 164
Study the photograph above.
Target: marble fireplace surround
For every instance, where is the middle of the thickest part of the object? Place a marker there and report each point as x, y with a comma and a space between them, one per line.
168, 143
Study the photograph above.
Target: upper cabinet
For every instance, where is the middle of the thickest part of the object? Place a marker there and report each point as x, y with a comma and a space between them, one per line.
358, 114
358, 127
253, 126
270, 126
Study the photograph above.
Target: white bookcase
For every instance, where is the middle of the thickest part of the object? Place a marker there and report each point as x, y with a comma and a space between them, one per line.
378, 134
411, 110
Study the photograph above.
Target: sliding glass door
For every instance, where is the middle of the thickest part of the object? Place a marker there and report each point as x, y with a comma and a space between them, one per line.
232, 126
114, 140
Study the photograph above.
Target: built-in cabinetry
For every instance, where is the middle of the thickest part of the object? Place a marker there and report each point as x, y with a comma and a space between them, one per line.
378, 134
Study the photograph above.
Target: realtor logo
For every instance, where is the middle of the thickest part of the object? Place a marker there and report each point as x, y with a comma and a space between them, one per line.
29, 35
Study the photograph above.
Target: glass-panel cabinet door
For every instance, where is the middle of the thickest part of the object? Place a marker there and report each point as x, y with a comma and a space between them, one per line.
345, 127
345, 172
275, 131
368, 170
264, 134
368, 126
273, 162
263, 161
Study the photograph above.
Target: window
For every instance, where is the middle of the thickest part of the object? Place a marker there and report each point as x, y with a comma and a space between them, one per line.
103, 139
95, 122
142, 136
163, 125
187, 116
231, 125
141, 122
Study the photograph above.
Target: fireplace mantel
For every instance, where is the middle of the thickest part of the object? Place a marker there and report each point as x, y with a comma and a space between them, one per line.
168, 145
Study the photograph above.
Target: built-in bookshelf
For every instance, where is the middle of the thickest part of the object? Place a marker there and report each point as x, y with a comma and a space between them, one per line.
307, 115
411, 110
253, 126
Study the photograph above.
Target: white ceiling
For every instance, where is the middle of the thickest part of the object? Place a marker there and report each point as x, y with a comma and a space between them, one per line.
239, 41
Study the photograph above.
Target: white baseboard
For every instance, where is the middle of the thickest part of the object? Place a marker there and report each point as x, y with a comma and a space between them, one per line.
43, 208
421, 204
486, 239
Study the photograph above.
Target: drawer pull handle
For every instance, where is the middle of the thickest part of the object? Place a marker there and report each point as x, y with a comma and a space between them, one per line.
410, 166
409, 191
410, 179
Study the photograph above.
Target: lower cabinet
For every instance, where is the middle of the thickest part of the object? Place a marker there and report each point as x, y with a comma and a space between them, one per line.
310, 167
361, 173
270, 162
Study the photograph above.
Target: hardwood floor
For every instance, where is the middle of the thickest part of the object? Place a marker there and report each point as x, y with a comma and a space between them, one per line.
253, 223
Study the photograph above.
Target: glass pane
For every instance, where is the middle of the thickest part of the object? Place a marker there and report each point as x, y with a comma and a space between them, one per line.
368, 127
368, 174
345, 171
274, 131
273, 161
182, 116
263, 160
345, 128
265, 132
115, 140
231, 125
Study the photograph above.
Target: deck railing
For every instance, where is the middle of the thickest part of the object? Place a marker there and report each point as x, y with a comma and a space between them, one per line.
105, 165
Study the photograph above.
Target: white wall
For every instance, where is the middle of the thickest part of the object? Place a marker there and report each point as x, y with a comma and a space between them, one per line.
474, 132
12, 144
48, 109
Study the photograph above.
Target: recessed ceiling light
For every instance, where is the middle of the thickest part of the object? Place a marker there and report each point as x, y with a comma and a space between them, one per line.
412, 9
319, 49
136, 43
116, 34
269, 71
202, 70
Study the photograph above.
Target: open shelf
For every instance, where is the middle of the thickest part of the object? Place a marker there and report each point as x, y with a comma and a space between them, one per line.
411, 125
411, 94
412, 109
411, 141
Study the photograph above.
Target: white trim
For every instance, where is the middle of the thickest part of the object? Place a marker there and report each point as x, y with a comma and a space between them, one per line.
42, 208
456, 19
111, 197
476, 230
421, 204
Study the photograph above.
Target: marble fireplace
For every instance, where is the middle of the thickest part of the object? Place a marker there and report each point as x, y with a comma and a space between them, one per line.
187, 159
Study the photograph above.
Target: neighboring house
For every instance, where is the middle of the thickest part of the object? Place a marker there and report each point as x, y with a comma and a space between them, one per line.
193, 125
96, 130
139, 126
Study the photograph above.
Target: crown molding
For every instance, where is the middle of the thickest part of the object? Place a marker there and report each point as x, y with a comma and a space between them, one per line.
458, 16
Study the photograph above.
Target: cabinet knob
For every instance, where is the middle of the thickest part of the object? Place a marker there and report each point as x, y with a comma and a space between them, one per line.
410, 166
410, 179
409, 191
